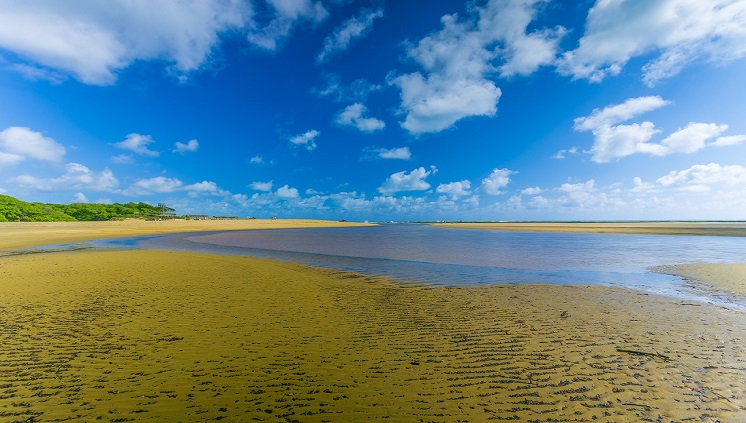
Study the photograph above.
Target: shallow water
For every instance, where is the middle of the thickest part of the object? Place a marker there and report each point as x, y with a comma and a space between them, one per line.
437, 256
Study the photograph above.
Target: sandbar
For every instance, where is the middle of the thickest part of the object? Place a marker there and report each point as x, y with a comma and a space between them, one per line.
26, 234
649, 228
146, 335
724, 277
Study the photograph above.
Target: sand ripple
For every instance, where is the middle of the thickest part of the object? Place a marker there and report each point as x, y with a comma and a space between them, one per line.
150, 336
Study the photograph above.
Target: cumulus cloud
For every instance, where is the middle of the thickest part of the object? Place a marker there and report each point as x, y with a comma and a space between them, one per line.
138, 144
123, 159
91, 41
349, 31
159, 184
401, 153
190, 147
18, 143
76, 177
531, 191
457, 59
205, 187
403, 181
306, 139
675, 32
613, 140
612, 115
287, 192
262, 186
354, 115
283, 16
699, 178
256, 160
79, 197
164, 185
455, 189
496, 181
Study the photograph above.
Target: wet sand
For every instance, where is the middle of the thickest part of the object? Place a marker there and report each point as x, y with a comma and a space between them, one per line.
157, 335
649, 228
26, 234
728, 278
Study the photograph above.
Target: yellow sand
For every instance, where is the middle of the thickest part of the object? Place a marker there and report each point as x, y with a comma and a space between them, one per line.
154, 336
653, 228
725, 277
25, 234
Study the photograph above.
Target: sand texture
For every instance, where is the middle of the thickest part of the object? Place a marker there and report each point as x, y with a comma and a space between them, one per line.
157, 335
650, 228
724, 277
26, 234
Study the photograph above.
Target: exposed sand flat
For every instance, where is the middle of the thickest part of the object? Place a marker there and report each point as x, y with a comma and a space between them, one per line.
652, 228
156, 335
726, 277
26, 234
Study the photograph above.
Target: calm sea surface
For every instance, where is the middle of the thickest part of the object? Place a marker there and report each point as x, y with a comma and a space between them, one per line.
438, 256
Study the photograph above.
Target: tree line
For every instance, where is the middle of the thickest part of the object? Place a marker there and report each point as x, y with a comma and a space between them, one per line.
14, 210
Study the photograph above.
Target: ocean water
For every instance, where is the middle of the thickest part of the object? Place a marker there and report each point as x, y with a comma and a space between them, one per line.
451, 257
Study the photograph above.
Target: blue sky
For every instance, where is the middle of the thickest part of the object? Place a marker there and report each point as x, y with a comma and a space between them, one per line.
379, 110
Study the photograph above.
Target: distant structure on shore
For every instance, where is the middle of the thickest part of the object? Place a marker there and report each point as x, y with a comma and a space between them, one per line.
206, 217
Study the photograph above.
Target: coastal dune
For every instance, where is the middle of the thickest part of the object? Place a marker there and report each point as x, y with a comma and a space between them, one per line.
161, 335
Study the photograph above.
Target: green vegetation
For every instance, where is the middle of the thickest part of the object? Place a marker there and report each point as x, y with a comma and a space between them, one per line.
14, 210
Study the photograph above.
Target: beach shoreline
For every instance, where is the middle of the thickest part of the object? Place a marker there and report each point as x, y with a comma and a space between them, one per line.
31, 234
132, 335
646, 228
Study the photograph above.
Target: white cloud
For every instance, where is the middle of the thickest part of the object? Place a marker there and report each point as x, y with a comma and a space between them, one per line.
286, 192
92, 41
531, 191
349, 31
262, 186
159, 184
496, 181
207, 187
436, 103
689, 139
123, 159
34, 73
729, 140
76, 177
190, 147
522, 53
357, 91
700, 178
354, 115
285, 15
256, 160
403, 181
138, 144
457, 59
401, 153
612, 115
79, 197
562, 154
18, 143
613, 140
675, 32
306, 139
455, 189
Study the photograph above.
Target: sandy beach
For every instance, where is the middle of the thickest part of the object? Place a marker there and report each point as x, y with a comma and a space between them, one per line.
649, 228
159, 335
26, 234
